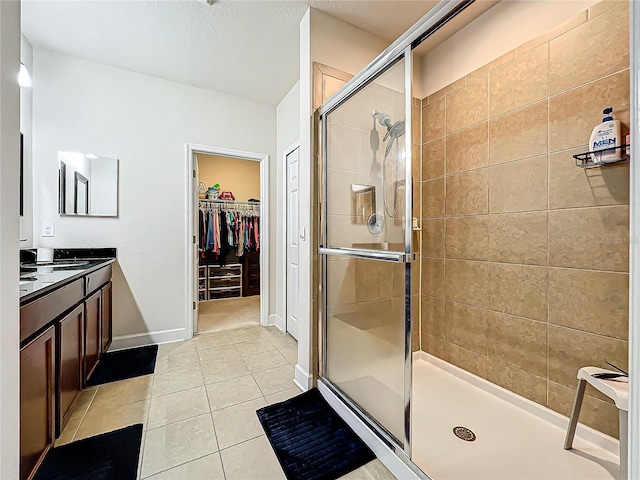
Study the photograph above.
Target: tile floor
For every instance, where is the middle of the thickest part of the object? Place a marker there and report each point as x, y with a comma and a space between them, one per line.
198, 408
217, 315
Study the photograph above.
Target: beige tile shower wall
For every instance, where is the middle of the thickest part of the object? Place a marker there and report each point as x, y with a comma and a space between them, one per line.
525, 256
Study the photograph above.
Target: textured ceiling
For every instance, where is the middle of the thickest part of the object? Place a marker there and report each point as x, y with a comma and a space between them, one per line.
249, 49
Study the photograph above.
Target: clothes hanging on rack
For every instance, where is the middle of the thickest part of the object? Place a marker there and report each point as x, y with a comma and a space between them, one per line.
225, 226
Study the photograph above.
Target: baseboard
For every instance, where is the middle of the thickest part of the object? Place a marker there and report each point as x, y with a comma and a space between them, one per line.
585, 433
395, 465
275, 319
302, 379
149, 338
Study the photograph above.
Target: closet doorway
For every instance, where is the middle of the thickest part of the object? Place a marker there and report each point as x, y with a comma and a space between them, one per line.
229, 228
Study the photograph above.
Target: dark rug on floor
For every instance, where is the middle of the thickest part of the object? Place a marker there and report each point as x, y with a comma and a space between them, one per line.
310, 440
123, 364
110, 456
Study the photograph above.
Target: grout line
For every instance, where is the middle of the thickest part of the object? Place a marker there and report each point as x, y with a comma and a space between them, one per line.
215, 432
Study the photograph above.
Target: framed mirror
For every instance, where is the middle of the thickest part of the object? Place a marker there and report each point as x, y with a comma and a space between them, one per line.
87, 185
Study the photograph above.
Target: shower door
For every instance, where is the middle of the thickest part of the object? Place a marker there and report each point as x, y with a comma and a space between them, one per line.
366, 250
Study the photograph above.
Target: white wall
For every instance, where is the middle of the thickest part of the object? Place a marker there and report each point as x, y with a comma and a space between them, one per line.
332, 42
144, 122
501, 29
288, 132
26, 127
9, 230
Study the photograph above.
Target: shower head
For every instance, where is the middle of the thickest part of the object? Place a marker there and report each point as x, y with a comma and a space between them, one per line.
384, 120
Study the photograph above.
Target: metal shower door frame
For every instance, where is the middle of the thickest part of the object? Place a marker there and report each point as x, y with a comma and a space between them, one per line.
406, 257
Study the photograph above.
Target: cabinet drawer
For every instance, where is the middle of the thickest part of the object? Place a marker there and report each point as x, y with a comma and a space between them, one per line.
230, 281
97, 279
37, 314
227, 270
224, 293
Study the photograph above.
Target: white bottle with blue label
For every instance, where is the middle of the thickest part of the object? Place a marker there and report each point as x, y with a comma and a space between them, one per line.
604, 137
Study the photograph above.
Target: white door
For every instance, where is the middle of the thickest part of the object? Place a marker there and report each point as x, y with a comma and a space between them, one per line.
292, 242
194, 246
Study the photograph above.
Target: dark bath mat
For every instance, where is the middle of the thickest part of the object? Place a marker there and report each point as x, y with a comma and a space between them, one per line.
123, 364
109, 456
310, 440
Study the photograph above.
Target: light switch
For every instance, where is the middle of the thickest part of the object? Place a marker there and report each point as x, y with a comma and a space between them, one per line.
48, 229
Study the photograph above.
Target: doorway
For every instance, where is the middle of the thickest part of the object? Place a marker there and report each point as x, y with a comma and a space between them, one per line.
227, 265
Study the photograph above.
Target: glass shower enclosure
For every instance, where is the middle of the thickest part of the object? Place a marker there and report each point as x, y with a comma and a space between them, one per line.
368, 266
367, 250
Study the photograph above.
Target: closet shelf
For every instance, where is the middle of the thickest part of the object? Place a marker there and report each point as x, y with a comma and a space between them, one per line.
584, 160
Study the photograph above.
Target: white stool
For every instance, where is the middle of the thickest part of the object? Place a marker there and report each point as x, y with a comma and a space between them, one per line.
616, 389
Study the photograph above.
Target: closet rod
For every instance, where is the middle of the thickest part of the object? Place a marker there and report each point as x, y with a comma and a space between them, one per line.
229, 202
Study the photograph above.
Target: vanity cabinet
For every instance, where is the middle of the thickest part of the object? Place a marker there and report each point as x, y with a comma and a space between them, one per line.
92, 309
37, 400
62, 337
70, 348
106, 332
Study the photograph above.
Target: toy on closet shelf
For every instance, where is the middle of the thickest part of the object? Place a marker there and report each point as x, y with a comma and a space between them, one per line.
227, 196
213, 192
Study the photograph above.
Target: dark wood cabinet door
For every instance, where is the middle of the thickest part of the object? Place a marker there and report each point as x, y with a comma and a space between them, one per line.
107, 320
251, 274
92, 339
37, 400
70, 335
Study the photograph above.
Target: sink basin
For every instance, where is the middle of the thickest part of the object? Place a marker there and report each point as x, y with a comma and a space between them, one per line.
56, 263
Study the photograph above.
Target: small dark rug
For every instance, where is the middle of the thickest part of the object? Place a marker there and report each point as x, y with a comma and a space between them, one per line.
110, 456
123, 364
310, 440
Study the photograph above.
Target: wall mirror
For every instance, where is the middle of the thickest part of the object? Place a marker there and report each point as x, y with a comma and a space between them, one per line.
88, 184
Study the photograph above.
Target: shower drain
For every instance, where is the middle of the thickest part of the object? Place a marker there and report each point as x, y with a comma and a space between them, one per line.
464, 433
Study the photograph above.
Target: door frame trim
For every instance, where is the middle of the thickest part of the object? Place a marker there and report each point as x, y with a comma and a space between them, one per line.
191, 292
285, 219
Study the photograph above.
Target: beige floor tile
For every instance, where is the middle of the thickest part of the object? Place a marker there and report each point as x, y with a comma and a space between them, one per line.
228, 314
176, 348
178, 406
232, 392
211, 355
291, 354
141, 454
281, 339
123, 392
69, 431
264, 361
275, 380
256, 346
248, 334
283, 395
177, 380
83, 402
205, 468
100, 419
169, 363
374, 470
172, 445
238, 423
251, 460
211, 340
224, 370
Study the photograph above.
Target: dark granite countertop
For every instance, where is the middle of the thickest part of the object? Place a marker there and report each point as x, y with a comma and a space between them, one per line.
38, 280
